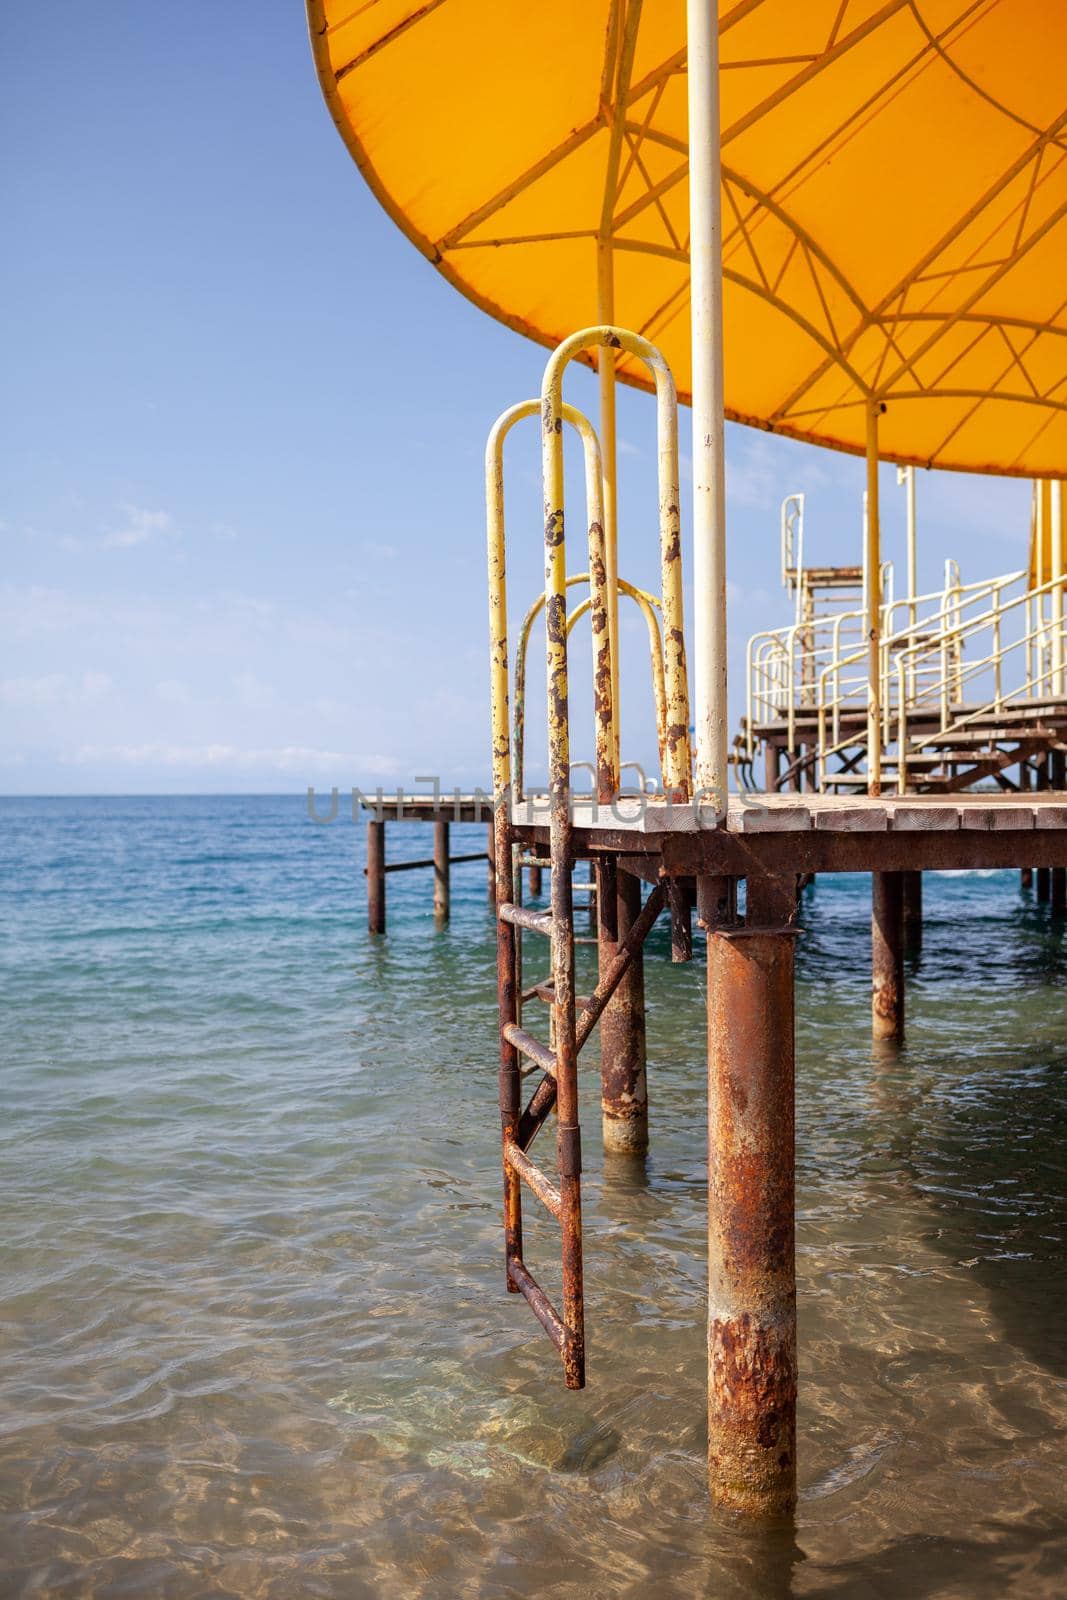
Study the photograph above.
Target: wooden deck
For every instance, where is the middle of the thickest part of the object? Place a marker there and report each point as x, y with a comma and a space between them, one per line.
786, 833
825, 813
448, 807
782, 834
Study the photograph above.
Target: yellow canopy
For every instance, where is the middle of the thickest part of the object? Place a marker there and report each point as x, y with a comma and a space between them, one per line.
894, 195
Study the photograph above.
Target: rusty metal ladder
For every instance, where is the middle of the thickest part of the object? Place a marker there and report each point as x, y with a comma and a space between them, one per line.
557, 1089
572, 1022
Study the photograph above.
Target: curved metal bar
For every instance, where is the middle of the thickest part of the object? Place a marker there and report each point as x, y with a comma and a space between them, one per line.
597, 577
521, 645
678, 759
647, 604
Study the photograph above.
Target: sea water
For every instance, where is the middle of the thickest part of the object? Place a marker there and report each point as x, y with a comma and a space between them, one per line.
255, 1339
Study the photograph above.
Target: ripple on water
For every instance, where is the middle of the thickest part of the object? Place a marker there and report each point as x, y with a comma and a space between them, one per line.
255, 1339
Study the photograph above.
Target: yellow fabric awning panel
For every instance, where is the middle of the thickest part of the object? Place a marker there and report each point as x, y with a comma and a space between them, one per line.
894, 195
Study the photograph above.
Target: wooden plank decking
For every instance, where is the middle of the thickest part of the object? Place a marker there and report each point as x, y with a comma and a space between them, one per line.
823, 813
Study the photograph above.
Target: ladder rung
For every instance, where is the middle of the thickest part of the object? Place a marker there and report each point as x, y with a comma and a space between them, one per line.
531, 1174
531, 1047
534, 861
538, 1301
545, 990
520, 917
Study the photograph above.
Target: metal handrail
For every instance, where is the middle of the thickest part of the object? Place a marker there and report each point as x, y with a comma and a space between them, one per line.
666, 644
648, 605
1036, 642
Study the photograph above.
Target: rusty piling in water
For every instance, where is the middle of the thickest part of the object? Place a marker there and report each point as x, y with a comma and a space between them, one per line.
1058, 879
912, 887
887, 955
375, 876
752, 1333
623, 1079
491, 850
681, 921
1026, 874
442, 891
1044, 876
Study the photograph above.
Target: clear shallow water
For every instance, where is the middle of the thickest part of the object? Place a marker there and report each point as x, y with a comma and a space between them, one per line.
253, 1334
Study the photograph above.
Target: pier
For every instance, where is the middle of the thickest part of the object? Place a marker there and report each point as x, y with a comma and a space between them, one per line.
769, 842
421, 808
885, 734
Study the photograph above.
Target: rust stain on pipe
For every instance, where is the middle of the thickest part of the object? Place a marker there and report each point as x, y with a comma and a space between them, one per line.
375, 877
887, 955
752, 1374
623, 1077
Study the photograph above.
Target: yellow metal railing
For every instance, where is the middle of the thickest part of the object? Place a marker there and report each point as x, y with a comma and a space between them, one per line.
983, 650
667, 647
950, 658
648, 605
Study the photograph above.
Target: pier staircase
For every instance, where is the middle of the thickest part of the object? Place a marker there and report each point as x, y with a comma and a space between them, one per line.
971, 677
525, 822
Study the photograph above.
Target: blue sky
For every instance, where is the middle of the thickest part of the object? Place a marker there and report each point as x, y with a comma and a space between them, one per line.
243, 423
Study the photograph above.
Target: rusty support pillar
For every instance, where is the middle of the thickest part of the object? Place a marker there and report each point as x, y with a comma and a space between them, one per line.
1058, 880
1026, 874
623, 1083
375, 877
442, 890
534, 883
913, 910
770, 767
887, 955
752, 1333
681, 921
492, 866
716, 903
1044, 876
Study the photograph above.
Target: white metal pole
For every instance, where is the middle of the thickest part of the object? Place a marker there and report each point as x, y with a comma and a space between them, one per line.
872, 575
605, 284
913, 587
709, 482
1056, 497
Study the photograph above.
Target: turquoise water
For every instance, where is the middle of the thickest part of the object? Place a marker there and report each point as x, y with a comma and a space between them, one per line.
254, 1335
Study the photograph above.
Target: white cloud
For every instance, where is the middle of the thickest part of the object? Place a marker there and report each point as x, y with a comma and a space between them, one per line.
290, 759
54, 689
135, 525
753, 475
139, 525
